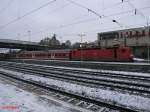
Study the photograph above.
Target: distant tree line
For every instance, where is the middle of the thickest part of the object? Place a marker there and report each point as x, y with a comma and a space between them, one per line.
53, 42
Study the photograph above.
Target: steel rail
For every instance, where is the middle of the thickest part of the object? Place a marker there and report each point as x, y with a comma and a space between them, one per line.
105, 83
99, 73
133, 67
84, 72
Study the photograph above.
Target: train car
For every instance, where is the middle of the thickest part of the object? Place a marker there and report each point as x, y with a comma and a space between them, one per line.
63, 54
51, 54
32, 55
97, 54
104, 54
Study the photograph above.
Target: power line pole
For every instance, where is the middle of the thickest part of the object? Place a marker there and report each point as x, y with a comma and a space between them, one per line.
81, 44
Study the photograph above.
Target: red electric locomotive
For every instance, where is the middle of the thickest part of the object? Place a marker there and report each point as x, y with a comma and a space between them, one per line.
97, 54
104, 54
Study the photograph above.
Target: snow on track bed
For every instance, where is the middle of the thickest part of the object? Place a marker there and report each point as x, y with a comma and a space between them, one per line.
24, 101
79, 103
138, 89
53, 98
131, 86
132, 101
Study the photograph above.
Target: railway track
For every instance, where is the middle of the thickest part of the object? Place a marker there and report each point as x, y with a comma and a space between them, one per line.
128, 83
133, 67
88, 78
78, 100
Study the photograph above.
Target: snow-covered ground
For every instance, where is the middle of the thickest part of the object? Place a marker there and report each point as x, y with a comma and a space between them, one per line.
125, 99
13, 99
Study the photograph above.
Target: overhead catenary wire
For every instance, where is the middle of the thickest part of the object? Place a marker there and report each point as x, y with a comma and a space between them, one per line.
87, 32
84, 7
94, 12
94, 19
116, 4
66, 25
79, 22
65, 5
83, 21
129, 26
138, 10
60, 8
26, 14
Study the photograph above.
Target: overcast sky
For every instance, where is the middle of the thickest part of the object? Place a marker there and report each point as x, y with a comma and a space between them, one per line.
67, 20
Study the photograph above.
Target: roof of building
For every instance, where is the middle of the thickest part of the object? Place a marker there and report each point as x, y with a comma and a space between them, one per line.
129, 29
18, 42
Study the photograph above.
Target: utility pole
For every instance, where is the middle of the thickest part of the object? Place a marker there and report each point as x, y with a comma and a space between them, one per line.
81, 36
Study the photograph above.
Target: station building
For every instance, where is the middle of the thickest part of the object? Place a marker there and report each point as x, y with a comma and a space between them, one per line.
136, 38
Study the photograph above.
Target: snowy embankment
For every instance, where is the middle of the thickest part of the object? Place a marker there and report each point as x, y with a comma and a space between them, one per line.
125, 99
13, 99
